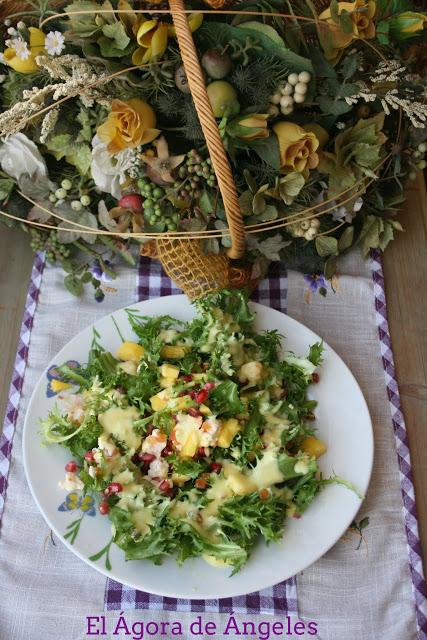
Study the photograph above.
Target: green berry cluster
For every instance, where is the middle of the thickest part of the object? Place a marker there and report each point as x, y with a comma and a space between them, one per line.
157, 210
66, 192
48, 241
194, 175
417, 160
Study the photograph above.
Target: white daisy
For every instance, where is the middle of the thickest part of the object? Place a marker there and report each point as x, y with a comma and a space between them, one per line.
21, 48
54, 43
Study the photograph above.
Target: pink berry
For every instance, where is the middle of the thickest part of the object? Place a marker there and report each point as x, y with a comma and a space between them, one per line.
201, 396
89, 457
164, 486
104, 507
71, 467
113, 487
209, 386
216, 467
131, 201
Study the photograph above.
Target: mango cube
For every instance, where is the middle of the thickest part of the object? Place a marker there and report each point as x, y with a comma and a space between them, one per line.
313, 447
227, 432
169, 371
174, 352
130, 351
179, 479
204, 410
190, 446
159, 401
240, 484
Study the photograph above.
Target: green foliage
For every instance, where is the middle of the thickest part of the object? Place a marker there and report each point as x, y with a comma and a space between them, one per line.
225, 400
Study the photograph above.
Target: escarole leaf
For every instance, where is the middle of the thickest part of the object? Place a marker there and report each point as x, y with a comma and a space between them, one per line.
224, 399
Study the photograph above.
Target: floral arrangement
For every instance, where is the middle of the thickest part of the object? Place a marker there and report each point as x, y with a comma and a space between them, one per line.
321, 109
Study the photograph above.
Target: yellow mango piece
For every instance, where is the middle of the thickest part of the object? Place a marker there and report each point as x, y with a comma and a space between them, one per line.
204, 410
227, 432
313, 447
174, 352
179, 479
159, 401
169, 371
166, 383
130, 351
58, 385
190, 446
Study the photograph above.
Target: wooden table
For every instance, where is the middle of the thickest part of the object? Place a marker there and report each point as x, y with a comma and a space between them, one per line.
405, 265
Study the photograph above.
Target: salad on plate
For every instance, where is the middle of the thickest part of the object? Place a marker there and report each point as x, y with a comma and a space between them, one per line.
197, 439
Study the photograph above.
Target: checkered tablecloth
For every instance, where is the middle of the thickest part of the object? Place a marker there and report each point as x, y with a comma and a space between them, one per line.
47, 593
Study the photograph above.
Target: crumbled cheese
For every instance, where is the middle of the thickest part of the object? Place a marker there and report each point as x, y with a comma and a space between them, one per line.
158, 469
186, 426
302, 466
155, 443
251, 372
209, 430
168, 335
74, 407
71, 483
129, 366
106, 445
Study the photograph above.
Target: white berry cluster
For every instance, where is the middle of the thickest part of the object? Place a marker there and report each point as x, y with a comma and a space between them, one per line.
293, 91
307, 229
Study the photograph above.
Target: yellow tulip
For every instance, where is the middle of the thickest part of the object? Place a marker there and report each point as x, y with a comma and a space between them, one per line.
37, 40
297, 148
128, 125
251, 127
152, 37
362, 14
407, 24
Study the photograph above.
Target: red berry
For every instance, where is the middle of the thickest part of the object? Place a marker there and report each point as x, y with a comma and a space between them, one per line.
192, 394
315, 378
113, 487
167, 450
131, 201
89, 457
209, 386
147, 457
164, 485
187, 378
201, 396
201, 452
104, 507
195, 413
216, 467
71, 467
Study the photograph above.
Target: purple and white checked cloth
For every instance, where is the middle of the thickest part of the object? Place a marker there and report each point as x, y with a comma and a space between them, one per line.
45, 592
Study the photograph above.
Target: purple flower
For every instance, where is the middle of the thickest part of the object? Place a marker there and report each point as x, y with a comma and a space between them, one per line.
97, 271
316, 281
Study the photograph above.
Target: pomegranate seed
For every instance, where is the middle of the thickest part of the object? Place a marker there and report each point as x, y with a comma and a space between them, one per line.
195, 413
201, 396
147, 457
192, 394
89, 457
166, 451
201, 452
264, 493
149, 429
315, 378
113, 487
187, 378
181, 394
155, 479
201, 483
121, 389
164, 486
104, 507
209, 386
71, 467
171, 492
216, 467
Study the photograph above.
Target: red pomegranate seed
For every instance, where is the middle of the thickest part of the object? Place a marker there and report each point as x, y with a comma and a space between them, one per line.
181, 394
113, 487
187, 378
89, 457
147, 457
71, 467
201, 396
195, 413
216, 467
315, 377
201, 452
167, 450
192, 394
209, 386
164, 485
170, 492
149, 430
104, 507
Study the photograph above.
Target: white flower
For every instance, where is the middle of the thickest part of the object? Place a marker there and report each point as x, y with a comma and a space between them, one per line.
109, 172
54, 43
19, 156
2, 58
340, 125
345, 214
21, 48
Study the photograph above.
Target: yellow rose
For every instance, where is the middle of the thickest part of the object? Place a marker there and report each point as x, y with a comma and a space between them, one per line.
407, 24
128, 125
297, 148
362, 13
37, 40
152, 37
250, 127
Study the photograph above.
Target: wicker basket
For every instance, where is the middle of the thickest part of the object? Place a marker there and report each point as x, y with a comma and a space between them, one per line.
183, 259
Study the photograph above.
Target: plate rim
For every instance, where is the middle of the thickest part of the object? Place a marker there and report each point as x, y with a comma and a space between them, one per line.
186, 596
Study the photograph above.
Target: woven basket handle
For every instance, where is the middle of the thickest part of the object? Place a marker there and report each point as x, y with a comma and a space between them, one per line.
210, 128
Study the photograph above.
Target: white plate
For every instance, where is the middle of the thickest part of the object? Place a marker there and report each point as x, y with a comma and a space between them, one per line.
343, 423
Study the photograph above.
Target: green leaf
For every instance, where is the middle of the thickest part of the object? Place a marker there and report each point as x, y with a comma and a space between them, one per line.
73, 284
333, 106
264, 29
224, 399
346, 23
206, 202
268, 150
346, 239
83, 24
382, 32
334, 11
326, 245
117, 33
330, 267
370, 235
